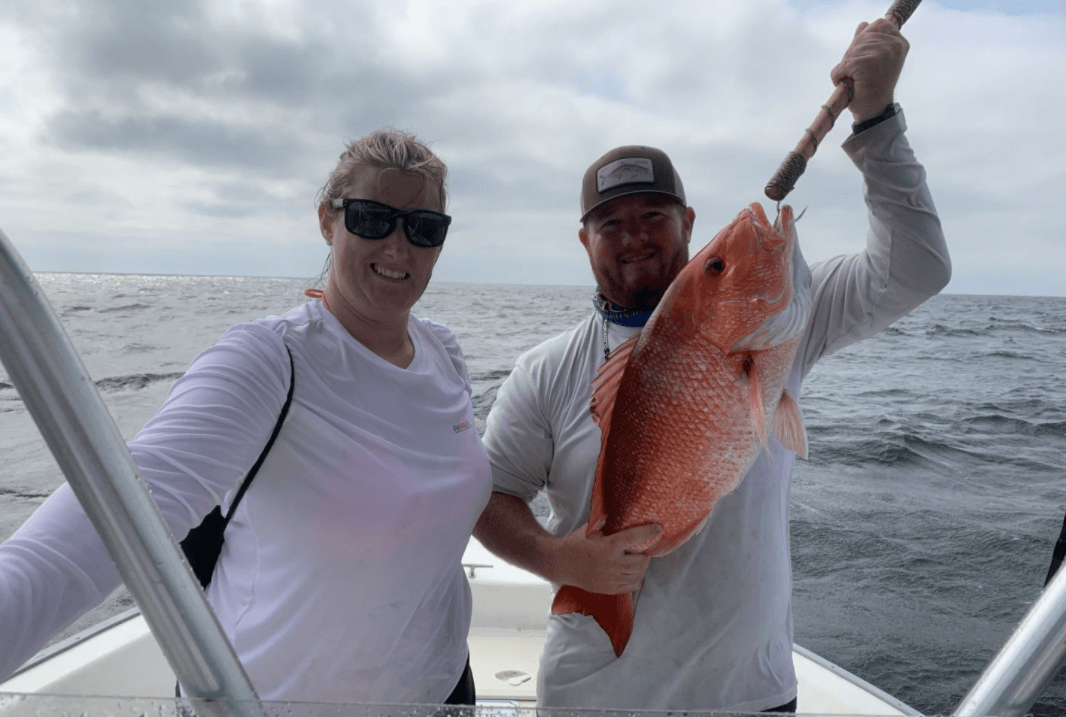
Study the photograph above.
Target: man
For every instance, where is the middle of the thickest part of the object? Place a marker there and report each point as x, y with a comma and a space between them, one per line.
713, 624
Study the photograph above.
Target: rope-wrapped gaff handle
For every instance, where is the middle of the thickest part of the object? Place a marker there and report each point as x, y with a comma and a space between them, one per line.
784, 180
901, 11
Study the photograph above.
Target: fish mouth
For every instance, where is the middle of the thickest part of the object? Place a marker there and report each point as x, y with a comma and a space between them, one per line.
389, 273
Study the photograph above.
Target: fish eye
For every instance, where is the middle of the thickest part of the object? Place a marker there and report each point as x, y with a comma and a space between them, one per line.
714, 266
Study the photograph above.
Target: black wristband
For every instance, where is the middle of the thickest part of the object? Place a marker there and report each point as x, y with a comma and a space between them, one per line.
890, 111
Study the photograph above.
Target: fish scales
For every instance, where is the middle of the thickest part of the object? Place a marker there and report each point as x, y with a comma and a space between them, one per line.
685, 407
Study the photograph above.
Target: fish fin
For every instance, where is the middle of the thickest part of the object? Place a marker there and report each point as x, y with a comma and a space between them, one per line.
789, 427
604, 392
613, 613
608, 378
758, 415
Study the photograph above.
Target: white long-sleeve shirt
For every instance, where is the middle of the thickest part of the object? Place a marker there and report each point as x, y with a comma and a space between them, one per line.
713, 624
340, 578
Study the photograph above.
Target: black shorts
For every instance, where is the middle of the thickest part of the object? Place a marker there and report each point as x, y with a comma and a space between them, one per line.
463, 694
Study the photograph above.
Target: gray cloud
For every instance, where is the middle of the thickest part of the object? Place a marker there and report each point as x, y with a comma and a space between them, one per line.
207, 122
200, 142
172, 81
122, 41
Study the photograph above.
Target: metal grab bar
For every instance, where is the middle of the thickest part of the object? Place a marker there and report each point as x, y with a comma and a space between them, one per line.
88, 447
1026, 663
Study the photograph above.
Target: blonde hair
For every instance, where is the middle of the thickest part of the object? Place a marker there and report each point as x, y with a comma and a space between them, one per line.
384, 148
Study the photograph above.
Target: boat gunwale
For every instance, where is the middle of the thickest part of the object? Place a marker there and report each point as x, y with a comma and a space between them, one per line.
74, 640
133, 613
856, 680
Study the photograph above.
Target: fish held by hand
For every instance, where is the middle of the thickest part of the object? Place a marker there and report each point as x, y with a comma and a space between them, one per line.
685, 406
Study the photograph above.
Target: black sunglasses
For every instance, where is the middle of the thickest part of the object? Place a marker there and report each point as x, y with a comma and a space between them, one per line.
374, 220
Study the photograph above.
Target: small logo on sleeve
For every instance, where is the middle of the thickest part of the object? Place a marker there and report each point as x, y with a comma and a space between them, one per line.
460, 427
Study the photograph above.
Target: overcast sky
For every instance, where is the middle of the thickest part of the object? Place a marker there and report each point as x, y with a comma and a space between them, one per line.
188, 137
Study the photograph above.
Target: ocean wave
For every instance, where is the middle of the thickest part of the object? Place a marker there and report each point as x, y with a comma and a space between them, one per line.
125, 307
120, 383
999, 325
1012, 355
494, 376
486, 383
1032, 407
891, 392
138, 348
919, 442
27, 493
889, 449
942, 331
996, 423
483, 402
976, 447
135, 381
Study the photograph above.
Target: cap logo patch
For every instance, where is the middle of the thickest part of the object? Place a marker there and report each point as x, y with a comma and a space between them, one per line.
628, 170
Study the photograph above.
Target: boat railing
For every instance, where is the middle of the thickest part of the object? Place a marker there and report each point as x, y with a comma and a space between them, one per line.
90, 450
1027, 662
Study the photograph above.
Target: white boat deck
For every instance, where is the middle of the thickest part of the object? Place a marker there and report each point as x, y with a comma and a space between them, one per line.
121, 658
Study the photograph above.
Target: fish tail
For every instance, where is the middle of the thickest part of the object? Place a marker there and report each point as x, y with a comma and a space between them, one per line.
613, 613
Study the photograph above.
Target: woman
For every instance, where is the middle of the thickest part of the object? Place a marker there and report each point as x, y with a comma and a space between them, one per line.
340, 577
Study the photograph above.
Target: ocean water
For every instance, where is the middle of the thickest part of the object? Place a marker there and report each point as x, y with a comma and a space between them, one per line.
923, 523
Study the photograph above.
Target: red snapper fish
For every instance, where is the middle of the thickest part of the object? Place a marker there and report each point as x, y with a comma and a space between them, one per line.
685, 406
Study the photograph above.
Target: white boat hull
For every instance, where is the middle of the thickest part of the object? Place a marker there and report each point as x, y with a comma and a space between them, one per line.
121, 658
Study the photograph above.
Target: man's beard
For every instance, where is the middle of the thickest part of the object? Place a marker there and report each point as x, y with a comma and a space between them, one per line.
644, 298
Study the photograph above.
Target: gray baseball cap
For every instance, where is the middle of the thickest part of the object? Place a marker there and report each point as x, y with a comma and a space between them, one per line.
629, 170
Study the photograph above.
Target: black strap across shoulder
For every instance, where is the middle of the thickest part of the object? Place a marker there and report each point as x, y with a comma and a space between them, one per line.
203, 544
